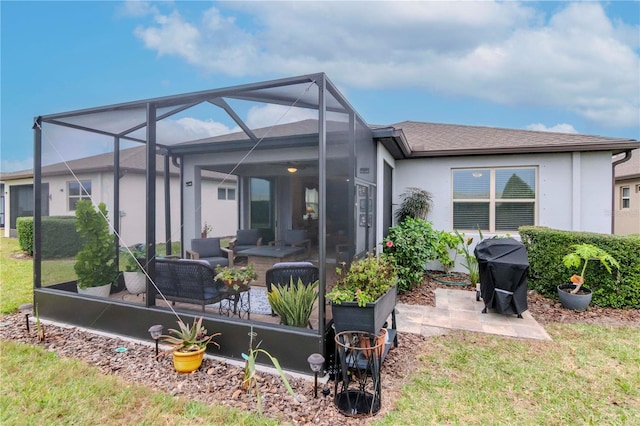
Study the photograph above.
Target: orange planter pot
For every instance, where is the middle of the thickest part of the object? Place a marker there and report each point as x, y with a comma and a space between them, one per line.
186, 362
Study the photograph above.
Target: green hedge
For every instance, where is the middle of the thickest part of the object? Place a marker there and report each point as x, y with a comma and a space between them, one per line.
59, 236
546, 247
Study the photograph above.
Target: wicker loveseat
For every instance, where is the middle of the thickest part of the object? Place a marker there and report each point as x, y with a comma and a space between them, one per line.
189, 281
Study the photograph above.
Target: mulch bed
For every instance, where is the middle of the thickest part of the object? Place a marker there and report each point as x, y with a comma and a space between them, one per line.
218, 382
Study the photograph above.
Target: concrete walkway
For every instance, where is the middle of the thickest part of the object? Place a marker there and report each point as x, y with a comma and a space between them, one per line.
458, 309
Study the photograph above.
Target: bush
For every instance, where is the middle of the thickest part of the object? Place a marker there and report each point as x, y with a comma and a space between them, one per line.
24, 227
546, 247
412, 243
59, 236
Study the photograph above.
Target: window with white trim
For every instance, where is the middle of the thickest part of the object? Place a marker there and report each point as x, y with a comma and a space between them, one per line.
77, 191
226, 193
494, 199
625, 197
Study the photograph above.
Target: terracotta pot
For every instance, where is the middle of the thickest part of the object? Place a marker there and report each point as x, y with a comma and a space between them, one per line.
378, 346
186, 362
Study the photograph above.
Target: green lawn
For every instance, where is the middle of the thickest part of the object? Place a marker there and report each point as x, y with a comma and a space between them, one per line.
587, 375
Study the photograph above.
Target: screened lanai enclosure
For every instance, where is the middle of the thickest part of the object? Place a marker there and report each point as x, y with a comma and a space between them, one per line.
272, 157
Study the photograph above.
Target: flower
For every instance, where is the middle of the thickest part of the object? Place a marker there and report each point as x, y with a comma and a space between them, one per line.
389, 244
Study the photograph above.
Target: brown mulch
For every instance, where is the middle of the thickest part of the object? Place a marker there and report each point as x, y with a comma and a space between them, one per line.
218, 382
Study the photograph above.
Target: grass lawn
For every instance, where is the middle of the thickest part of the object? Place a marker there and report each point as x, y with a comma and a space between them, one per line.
587, 375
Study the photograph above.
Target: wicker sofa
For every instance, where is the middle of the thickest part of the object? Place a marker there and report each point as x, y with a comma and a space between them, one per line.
189, 281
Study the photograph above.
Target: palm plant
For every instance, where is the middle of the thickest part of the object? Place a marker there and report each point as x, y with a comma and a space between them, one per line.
416, 203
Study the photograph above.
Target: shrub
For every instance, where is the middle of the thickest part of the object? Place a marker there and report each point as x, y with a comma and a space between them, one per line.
547, 247
59, 236
412, 243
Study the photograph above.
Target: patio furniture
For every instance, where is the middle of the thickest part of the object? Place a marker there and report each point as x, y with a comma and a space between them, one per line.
189, 281
282, 273
209, 249
294, 238
245, 239
192, 281
264, 257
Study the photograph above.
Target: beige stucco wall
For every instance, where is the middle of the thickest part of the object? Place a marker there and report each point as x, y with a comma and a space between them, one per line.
627, 221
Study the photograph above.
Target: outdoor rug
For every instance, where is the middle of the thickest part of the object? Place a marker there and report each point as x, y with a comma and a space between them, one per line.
259, 301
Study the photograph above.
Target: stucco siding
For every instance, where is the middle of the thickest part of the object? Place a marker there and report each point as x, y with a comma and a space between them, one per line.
627, 220
560, 204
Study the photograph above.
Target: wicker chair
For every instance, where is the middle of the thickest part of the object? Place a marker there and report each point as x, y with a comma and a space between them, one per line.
282, 273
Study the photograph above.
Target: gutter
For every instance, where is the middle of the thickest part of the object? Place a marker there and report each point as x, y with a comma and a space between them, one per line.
627, 157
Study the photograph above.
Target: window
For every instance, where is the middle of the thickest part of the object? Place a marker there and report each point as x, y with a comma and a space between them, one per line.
494, 199
625, 197
226, 193
78, 191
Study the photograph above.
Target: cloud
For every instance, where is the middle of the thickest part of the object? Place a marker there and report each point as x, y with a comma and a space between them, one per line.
7, 166
136, 8
503, 52
558, 128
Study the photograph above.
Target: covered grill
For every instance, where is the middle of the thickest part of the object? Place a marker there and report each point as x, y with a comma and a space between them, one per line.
503, 266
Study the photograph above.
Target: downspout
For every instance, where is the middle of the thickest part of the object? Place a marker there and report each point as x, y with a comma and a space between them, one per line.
627, 157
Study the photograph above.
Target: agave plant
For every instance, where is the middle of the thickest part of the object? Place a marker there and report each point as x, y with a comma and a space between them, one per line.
189, 338
293, 303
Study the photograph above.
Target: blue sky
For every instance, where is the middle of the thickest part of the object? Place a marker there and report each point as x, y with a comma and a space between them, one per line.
559, 66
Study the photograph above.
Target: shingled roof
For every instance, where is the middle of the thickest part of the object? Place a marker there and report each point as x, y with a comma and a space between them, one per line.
629, 169
433, 140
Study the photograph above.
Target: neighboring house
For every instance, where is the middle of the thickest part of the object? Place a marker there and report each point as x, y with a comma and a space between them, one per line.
93, 178
627, 195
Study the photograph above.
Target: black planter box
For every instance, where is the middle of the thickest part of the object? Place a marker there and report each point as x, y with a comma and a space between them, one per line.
348, 316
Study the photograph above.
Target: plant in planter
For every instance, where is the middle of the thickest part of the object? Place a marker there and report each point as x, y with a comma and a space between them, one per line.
134, 277
364, 295
188, 344
95, 264
236, 277
293, 303
575, 296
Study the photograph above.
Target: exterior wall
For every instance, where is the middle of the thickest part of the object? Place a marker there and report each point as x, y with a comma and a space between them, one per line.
132, 203
383, 156
574, 190
627, 221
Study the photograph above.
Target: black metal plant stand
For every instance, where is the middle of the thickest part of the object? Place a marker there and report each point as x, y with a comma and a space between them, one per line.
238, 302
357, 384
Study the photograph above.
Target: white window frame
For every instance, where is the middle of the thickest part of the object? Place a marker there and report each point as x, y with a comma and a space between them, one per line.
624, 198
226, 192
83, 185
492, 200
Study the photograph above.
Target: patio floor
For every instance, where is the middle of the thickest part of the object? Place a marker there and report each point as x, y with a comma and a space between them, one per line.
458, 309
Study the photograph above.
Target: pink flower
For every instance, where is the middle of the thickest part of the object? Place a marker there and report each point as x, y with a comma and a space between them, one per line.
389, 244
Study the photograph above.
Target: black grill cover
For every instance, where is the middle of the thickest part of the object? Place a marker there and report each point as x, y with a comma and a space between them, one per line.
503, 266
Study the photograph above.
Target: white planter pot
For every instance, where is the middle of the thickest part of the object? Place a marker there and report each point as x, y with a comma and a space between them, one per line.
101, 291
135, 282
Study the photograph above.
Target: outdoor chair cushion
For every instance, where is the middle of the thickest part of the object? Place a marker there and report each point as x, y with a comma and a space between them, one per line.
245, 239
209, 249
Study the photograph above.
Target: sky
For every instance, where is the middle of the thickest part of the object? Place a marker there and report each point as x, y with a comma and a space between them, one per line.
549, 66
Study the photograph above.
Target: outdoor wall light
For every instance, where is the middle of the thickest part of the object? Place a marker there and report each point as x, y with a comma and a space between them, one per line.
315, 363
156, 332
26, 308
292, 169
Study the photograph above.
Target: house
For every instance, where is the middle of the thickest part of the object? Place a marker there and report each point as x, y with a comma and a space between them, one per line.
627, 194
319, 169
91, 178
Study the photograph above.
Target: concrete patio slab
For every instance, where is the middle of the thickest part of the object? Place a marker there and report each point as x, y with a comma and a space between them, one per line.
459, 310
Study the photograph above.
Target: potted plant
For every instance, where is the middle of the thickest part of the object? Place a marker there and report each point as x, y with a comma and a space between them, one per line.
235, 277
134, 278
293, 303
364, 295
95, 264
575, 296
188, 344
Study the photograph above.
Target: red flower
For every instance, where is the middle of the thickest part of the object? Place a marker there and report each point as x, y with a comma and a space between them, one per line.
389, 244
